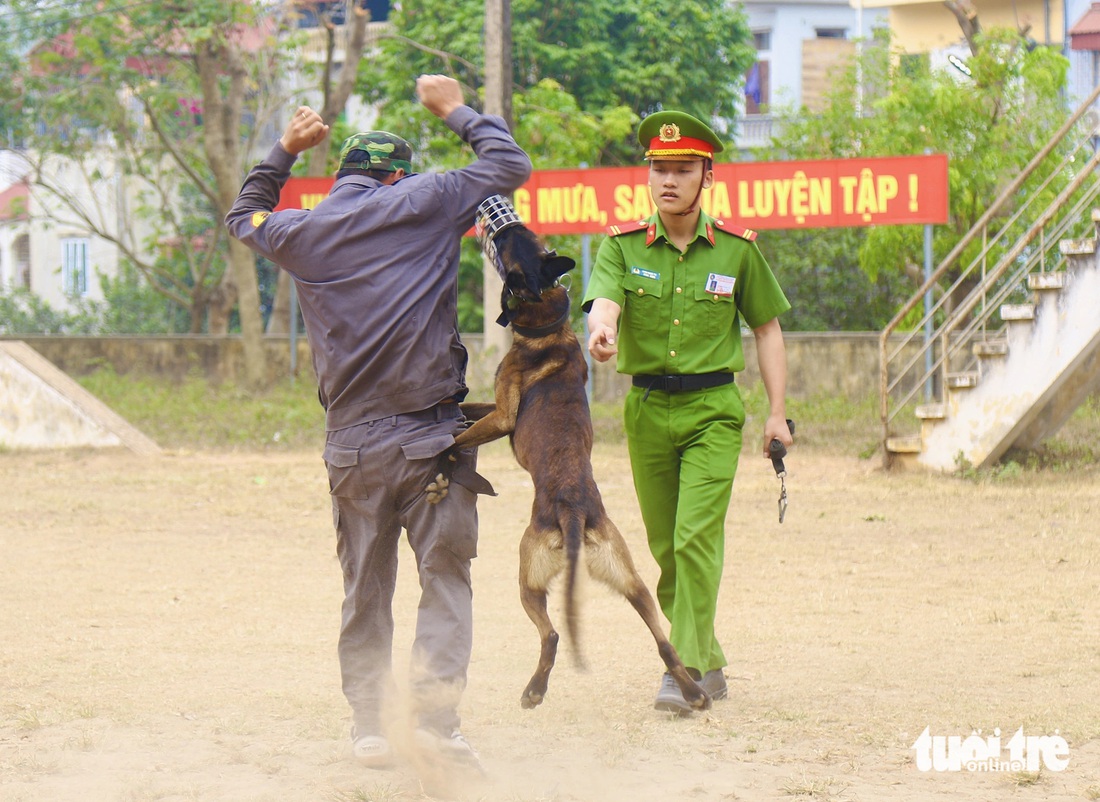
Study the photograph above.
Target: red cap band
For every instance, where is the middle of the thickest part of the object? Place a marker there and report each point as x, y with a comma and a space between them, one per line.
683, 146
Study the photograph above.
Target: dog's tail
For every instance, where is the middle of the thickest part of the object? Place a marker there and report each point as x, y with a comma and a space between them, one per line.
572, 525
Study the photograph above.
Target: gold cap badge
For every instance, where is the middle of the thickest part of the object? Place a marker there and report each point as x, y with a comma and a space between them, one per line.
670, 132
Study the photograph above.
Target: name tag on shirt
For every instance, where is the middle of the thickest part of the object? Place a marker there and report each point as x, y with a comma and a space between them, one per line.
717, 284
637, 271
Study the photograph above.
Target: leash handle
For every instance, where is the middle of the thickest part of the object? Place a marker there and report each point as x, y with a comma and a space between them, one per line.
776, 451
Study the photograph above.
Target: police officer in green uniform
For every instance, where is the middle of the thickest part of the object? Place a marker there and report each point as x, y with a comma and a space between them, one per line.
668, 295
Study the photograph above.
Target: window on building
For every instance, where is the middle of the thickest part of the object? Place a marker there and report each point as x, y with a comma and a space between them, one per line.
913, 65
757, 92
21, 276
831, 33
762, 40
74, 266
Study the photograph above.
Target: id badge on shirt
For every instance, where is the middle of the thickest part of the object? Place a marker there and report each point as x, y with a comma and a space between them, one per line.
717, 284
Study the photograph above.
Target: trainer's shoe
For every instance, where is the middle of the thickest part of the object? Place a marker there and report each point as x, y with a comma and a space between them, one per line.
714, 683
670, 699
373, 751
453, 748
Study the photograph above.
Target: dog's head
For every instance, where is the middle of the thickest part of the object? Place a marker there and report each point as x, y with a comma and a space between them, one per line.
529, 268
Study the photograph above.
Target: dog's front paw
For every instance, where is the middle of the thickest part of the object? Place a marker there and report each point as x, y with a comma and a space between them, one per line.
698, 698
437, 490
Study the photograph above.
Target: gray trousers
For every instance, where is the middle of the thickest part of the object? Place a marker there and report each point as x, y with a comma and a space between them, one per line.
377, 474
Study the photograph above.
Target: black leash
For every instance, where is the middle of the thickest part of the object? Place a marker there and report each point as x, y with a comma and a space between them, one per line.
776, 450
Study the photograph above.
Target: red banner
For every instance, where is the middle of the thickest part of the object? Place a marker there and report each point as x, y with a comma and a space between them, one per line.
901, 190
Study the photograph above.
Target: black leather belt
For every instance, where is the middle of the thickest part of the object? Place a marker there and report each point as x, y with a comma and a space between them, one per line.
677, 384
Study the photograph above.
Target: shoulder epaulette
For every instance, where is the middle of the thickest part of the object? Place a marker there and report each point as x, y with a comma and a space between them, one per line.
737, 231
627, 228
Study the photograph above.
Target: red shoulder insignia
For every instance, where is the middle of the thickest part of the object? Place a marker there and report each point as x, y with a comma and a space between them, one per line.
737, 231
627, 228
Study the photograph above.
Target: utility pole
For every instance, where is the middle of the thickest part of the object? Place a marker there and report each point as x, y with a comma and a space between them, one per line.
498, 100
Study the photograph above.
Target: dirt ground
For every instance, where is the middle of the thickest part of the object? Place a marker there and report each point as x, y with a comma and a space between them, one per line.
169, 633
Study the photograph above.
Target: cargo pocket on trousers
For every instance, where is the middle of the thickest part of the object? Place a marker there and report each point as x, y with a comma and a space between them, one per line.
345, 474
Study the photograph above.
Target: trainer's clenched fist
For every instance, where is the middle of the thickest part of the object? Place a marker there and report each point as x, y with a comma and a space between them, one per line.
439, 94
305, 129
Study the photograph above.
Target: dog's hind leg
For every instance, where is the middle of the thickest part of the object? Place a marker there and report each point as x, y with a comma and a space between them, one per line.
608, 560
537, 566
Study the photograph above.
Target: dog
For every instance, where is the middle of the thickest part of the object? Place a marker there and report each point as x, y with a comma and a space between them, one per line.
542, 405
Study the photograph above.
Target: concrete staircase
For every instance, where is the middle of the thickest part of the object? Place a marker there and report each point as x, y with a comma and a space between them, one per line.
1043, 363
1009, 342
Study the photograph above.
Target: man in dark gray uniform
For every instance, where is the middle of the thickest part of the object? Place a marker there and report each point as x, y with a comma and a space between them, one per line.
376, 265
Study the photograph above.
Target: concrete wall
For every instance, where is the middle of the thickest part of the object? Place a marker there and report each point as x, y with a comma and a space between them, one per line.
831, 363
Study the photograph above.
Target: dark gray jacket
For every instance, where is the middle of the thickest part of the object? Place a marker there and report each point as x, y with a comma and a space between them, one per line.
376, 270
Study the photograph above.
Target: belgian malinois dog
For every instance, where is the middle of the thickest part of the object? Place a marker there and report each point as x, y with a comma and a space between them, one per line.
541, 403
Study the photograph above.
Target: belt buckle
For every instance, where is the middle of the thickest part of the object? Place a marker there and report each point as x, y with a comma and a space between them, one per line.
674, 384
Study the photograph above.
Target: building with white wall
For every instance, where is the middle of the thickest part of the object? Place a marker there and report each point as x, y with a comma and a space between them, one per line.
799, 45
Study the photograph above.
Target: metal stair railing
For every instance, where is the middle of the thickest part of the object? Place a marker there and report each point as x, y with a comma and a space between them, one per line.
1027, 240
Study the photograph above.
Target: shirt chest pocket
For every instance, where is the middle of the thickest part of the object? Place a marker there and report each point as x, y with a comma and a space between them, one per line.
712, 314
642, 302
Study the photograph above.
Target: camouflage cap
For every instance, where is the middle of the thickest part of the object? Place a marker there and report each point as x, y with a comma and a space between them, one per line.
376, 150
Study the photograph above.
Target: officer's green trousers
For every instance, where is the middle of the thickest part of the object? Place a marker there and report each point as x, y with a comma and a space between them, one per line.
683, 453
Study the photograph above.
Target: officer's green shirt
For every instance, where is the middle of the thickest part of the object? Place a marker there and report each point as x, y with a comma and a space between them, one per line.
682, 313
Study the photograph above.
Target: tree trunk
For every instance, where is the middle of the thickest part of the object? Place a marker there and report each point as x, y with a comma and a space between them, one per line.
279, 322
242, 263
221, 306
498, 100
967, 17
214, 58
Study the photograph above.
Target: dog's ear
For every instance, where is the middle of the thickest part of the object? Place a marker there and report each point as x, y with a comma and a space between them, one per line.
554, 266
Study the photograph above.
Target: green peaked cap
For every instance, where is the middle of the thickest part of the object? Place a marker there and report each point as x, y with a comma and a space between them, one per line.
677, 135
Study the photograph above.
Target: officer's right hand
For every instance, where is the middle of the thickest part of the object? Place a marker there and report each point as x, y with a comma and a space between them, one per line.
440, 94
601, 342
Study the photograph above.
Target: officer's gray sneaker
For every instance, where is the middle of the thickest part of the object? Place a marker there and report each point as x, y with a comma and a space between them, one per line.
670, 699
714, 683
453, 749
373, 751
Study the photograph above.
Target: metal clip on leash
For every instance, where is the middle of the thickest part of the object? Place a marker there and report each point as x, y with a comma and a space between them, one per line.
776, 450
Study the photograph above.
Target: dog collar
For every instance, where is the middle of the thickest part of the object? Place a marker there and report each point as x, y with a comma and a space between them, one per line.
541, 331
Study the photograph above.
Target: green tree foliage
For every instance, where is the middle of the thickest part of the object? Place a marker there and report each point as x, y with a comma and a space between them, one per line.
610, 62
151, 107
990, 124
584, 73
23, 312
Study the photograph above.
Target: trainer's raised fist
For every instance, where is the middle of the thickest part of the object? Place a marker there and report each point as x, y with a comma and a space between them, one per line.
440, 94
